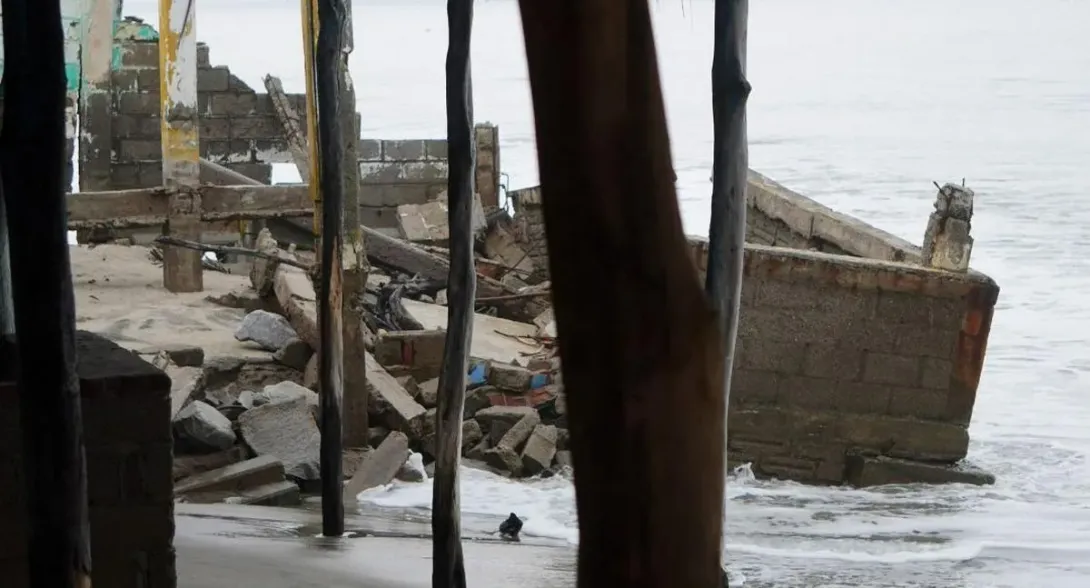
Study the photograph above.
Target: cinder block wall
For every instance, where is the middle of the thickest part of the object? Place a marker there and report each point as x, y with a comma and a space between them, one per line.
843, 355
238, 126
845, 346
126, 418
239, 129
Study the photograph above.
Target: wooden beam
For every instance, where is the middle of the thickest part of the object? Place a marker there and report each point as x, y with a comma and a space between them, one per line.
148, 207
310, 41
179, 125
640, 345
289, 123
33, 165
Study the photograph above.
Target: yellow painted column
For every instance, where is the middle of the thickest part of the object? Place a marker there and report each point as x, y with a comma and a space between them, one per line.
181, 148
310, 42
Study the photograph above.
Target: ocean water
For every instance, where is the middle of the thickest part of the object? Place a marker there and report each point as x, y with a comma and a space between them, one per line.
860, 104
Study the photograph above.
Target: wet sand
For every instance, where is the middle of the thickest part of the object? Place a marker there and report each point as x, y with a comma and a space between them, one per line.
263, 547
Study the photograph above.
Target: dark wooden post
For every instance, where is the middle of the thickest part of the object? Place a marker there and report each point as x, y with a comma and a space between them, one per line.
448, 569
332, 15
7, 306
642, 356
32, 165
730, 170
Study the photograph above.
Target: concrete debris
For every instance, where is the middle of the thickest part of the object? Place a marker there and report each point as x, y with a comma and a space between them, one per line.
294, 354
394, 406
504, 459
947, 244
310, 373
540, 449
287, 431
428, 393
380, 466
186, 383
234, 477
201, 427
510, 377
517, 435
190, 465
497, 420
295, 293
263, 270
269, 331
563, 459
427, 223
285, 392
413, 469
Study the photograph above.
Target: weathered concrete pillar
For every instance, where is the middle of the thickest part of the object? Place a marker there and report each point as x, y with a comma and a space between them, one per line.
180, 145
947, 244
487, 138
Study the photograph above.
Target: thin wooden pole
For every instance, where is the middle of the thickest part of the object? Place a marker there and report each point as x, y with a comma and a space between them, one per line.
32, 165
7, 305
643, 356
448, 564
332, 15
310, 41
730, 168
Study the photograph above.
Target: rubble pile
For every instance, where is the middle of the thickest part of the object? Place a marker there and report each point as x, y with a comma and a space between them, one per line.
246, 430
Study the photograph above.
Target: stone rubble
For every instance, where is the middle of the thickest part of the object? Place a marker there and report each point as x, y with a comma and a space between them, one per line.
233, 414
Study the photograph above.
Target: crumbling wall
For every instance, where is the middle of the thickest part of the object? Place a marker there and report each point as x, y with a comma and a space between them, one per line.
126, 420
238, 126
842, 356
239, 129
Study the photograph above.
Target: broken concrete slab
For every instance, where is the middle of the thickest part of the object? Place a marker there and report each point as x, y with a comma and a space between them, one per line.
864, 471
519, 432
497, 420
186, 384
428, 393
380, 466
285, 392
501, 244
263, 270
282, 493
408, 382
269, 331
504, 459
287, 431
494, 339
391, 401
295, 292
200, 426
428, 223
234, 477
510, 377
191, 465
540, 449
294, 354
546, 324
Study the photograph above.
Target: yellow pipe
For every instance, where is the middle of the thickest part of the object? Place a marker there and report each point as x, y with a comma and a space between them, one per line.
178, 92
310, 43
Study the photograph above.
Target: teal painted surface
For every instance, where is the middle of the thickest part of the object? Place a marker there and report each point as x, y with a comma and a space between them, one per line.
127, 31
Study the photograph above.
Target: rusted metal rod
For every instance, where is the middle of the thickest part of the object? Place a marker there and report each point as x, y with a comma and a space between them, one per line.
32, 165
448, 562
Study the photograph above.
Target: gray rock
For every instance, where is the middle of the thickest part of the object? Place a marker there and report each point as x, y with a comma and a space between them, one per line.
287, 392
287, 431
504, 459
295, 354
245, 399
428, 393
540, 449
270, 331
203, 426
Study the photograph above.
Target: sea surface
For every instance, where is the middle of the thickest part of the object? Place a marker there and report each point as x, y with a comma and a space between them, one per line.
860, 104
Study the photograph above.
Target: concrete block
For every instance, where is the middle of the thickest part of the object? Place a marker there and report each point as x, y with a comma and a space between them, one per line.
517, 434
390, 400
296, 296
510, 377
380, 466
540, 449
234, 477
863, 471
213, 79
404, 150
287, 431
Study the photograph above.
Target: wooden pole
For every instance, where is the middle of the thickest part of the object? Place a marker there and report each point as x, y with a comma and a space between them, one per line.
181, 148
730, 168
448, 565
7, 305
32, 165
643, 356
356, 268
310, 40
331, 155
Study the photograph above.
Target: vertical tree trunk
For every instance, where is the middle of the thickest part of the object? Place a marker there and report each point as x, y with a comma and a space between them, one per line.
448, 565
730, 168
332, 15
642, 353
32, 165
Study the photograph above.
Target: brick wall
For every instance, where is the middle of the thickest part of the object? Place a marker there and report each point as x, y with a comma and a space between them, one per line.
393, 173
840, 355
126, 415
